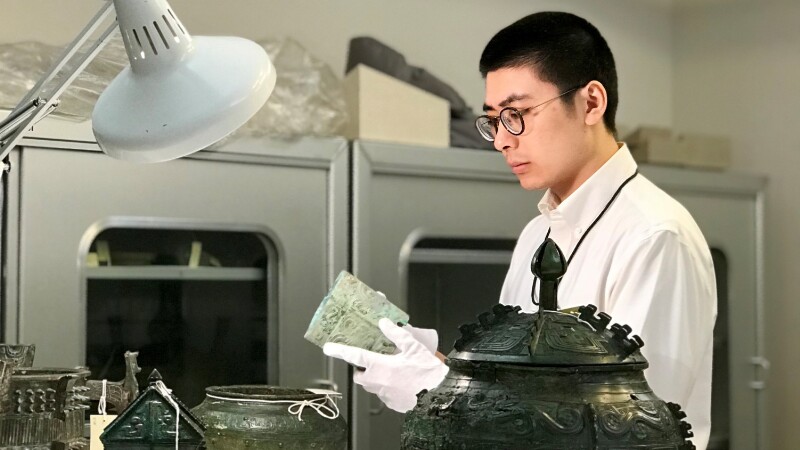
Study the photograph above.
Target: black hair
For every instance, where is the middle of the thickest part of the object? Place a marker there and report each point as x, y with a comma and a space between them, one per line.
563, 49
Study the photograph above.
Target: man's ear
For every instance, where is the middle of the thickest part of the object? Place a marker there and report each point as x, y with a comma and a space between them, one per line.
596, 99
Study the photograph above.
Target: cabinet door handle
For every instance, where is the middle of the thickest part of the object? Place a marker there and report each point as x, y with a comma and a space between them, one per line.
763, 363
760, 361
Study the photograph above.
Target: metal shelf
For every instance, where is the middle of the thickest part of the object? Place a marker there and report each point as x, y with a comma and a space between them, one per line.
456, 256
174, 273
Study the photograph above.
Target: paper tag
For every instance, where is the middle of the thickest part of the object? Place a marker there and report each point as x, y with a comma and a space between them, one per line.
98, 424
324, 392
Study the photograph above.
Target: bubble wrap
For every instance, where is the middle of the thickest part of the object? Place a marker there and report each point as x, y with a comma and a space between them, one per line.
308, 99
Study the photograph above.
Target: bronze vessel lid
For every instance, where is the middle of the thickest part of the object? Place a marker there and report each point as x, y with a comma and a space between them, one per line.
576, 338
548, 338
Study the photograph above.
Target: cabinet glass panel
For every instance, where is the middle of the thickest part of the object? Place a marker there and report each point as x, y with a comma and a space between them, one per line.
195, 304
451, 281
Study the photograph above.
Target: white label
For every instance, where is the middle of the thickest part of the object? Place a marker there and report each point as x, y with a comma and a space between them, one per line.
325, 392
98, 424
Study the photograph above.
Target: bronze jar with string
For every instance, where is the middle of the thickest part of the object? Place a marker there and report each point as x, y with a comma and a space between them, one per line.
270, 418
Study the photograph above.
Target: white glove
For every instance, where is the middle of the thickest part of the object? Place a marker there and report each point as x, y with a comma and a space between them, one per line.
428, 337
395, 379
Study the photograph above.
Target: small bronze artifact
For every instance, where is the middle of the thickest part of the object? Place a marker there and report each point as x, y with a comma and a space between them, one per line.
270, 418
44, 408
119, 394
548, 380
149, 422
349, 315
19, 355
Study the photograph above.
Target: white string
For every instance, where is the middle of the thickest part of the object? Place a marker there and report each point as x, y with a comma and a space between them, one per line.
167, 394
101, 406
324, 406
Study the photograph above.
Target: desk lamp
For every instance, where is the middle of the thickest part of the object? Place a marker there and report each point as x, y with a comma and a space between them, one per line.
178, 95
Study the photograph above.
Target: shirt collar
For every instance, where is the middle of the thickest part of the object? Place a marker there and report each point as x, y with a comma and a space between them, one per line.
581, 208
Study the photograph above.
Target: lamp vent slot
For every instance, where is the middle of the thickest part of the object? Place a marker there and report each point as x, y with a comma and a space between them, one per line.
177, 22
163, 39
138, 41
169, 25
150, 40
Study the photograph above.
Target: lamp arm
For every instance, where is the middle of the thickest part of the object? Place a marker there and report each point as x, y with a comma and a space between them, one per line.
18, 115
36, 105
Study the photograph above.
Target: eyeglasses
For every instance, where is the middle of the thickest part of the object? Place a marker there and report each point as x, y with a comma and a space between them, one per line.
511, 118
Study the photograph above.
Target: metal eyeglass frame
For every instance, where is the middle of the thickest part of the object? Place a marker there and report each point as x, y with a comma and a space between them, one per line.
520, 112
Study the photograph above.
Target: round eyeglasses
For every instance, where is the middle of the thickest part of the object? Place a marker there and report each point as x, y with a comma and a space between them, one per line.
511, 118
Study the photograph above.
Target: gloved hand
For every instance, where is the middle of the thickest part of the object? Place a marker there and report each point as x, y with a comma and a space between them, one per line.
428, 337
395, 379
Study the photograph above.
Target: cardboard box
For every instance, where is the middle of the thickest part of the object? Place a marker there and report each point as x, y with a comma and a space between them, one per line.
653, 145
713, 152
383, 108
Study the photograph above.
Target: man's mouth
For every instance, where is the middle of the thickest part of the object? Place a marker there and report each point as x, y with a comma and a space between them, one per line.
518, 167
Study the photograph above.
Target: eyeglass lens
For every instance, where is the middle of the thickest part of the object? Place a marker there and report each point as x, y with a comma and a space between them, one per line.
511, 119
488, 127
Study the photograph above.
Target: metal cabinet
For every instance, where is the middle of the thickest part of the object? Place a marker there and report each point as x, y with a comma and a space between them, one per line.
290, 196
431, 228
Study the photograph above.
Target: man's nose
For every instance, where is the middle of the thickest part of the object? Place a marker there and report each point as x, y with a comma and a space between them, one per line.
503, 140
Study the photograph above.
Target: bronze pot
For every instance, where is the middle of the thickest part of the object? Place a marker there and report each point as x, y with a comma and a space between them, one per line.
250, 417
548, 380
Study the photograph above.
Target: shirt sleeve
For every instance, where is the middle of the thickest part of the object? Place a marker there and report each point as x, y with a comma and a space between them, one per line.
665, 290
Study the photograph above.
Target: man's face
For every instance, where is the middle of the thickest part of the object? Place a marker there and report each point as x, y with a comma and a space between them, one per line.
551, 150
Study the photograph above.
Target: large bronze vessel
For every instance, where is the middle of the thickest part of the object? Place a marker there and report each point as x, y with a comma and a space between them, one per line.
547, 380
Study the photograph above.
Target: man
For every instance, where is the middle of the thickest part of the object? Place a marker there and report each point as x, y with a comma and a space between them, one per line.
633, 251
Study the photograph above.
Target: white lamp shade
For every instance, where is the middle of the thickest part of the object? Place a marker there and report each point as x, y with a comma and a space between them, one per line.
180, 94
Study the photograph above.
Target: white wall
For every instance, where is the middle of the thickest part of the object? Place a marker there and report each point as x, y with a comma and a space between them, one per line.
737, 68
444, 36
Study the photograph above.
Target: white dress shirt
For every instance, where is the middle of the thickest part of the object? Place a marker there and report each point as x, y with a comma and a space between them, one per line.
646, 264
